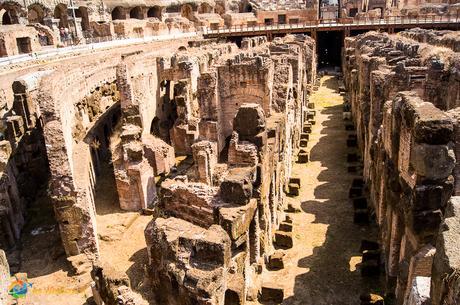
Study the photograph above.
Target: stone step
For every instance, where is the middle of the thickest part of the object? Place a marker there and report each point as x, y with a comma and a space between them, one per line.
283, 240
271, 294
276, 261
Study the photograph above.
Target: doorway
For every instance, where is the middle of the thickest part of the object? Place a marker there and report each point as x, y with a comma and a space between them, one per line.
329, 48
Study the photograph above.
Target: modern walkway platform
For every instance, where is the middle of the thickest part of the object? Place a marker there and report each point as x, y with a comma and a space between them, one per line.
341, 24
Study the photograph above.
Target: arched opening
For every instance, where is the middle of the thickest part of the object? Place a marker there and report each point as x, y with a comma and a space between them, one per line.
247, 8
82, 12
231, 298
204, 8
136, 13
6, 19
9, 13
36, 13
60, 12
186, 11
118, 13
155, 127
154, 12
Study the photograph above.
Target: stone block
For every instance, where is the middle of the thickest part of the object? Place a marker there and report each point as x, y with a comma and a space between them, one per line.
236, 219
193, 202
285, 227
346, 116
433, 161
303, 157
311, 105
303, 143
237, 186
446, 260
306, 128
304, 136
134, 151
419, 291
272, 294
294, 180
292, 209
293, 189
283, 240
276, 261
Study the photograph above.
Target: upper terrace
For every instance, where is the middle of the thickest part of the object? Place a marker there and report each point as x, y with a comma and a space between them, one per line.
34, 28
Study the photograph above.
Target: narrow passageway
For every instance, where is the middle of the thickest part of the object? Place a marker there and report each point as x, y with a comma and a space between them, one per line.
322, 267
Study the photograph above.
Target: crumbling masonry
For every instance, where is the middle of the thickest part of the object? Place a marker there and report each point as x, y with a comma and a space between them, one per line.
236, 112
404, 93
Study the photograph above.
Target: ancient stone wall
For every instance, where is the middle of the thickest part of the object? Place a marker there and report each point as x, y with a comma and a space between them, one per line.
408, 143
221, 215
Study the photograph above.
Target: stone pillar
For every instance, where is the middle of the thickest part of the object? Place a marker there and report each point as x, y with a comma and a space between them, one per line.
74, 213
205, 157
134, 174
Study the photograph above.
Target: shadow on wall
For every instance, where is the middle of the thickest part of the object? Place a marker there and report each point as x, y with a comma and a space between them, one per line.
137, 275
332, 276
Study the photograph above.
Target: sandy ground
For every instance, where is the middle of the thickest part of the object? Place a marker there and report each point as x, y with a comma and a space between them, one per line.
121, 236
322, 268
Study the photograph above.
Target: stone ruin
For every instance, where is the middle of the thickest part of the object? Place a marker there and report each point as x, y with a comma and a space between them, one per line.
403, 93
224, 213
237, 116
236, 113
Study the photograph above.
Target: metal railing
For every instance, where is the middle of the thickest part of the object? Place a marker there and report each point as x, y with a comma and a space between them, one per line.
91, 44
337, 23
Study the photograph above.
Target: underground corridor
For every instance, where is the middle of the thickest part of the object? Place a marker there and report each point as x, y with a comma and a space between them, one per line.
278, 170
329, 46
323, 267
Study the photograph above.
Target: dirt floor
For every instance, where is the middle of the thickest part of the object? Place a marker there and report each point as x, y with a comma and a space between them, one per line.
41, 256
121, 235
322, 267
121, 242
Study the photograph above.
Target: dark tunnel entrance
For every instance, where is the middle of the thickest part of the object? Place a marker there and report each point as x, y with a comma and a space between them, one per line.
329, 48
